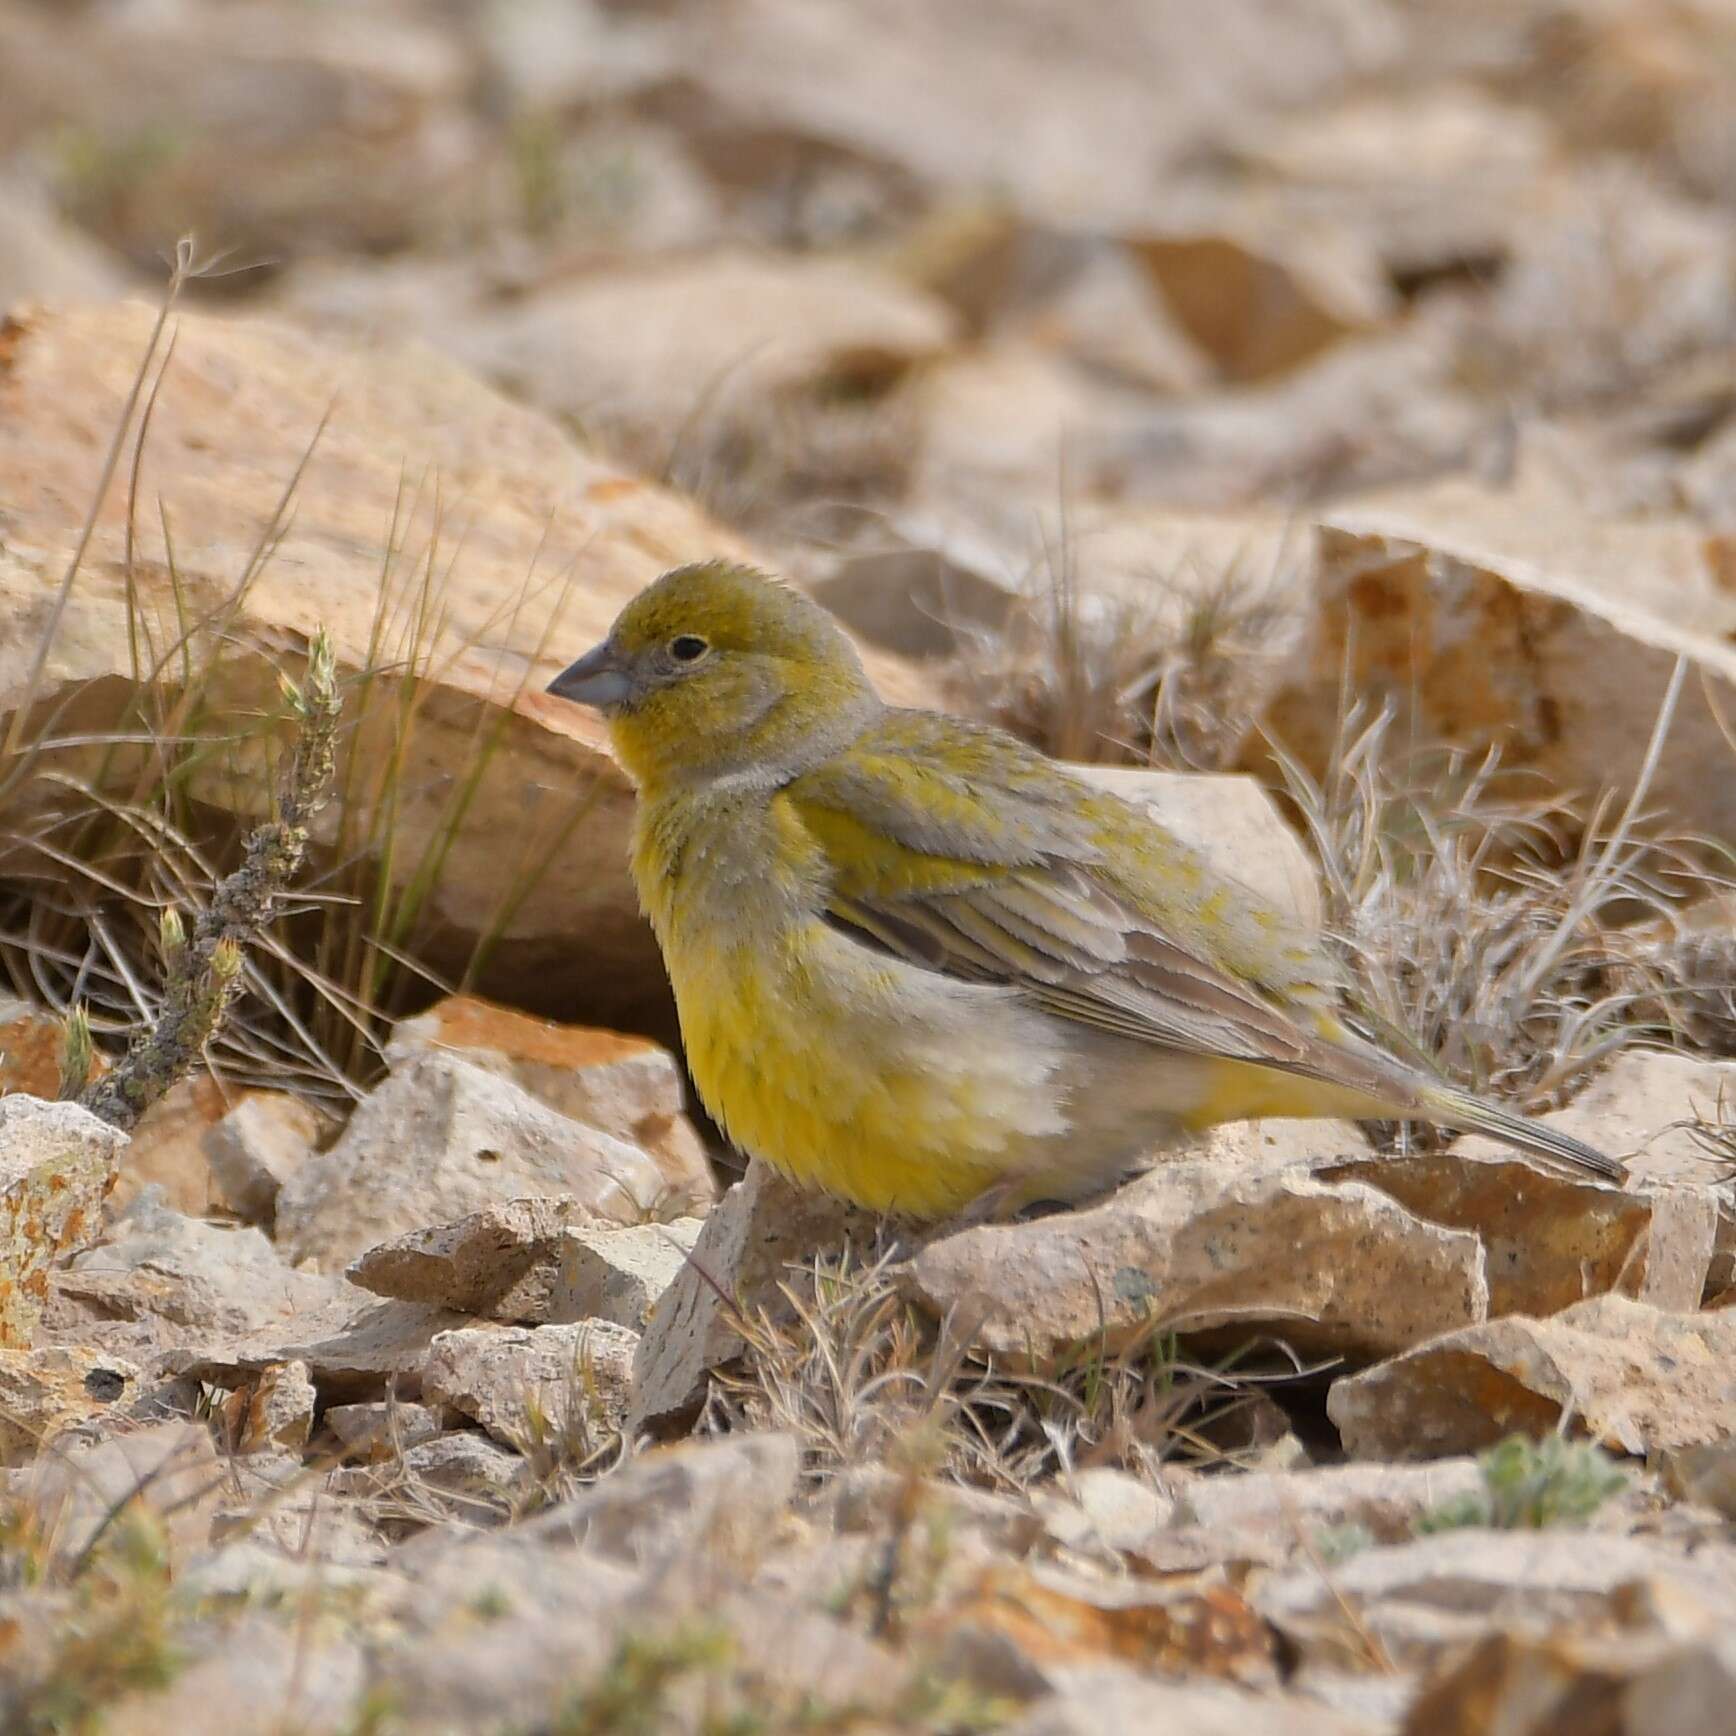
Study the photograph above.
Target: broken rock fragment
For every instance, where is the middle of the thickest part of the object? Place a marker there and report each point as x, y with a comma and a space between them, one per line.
1193, 1246
622, 1085
441, 1138
525, 1383
1634, 1378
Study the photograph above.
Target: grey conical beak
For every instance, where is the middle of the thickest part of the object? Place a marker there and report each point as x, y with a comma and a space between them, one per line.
597, 679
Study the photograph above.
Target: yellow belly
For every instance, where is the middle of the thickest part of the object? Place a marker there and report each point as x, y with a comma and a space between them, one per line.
851, 1079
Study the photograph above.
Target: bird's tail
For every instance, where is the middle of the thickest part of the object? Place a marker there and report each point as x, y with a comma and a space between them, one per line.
1458, 1109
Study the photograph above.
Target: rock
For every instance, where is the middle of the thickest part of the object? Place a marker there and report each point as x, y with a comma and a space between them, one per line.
355, 1347
1233, 822
1109, 99
170, 1470
1089, 1701
440, 1138
647, 346
743, 1253
54, 1388
1491, 623
352, 131
255, 1149
1551, 1239
198, 1280
503, 1262
1423, 1602
1103, 1510
620, 1275
43, 258
1298, 1510
260, 1673
626, 1086
722, 1495
524, 1384
167, 1154
1198, 1243
481, 1479
1019, 1629
1543, 1685
275, 1413
1261, 297
1632, 1377
381, 1431
514, 494
57, 1164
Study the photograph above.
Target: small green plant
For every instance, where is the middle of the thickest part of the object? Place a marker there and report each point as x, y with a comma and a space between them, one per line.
1531, 1486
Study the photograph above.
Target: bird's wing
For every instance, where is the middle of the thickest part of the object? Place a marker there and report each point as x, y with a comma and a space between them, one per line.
957, 850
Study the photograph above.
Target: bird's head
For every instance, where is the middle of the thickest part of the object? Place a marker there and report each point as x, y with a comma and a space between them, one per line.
717, 671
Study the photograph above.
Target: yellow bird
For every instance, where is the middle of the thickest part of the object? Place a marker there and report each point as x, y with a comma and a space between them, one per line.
921, 966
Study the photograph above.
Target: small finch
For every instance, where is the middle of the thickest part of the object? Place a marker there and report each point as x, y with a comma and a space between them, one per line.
921, 966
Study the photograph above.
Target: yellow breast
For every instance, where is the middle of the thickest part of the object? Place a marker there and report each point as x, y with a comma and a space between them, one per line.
851, 1073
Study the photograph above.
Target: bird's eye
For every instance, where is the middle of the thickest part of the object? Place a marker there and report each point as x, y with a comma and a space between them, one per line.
687, 647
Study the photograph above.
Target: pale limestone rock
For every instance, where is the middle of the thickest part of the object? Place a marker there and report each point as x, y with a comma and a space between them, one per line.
1103, 1509
356, 1347
1278, 1516
1199, 1243
201, 1281
513, 493
723, 1495
1087, 1701
622, 1085
1634, 1378
479, 1479
642, 346
54, 1388
262, 1668
522, 1383
381, 1429
620, 1275
759, 1229
1490, 620
1424, 1601
255, 1148
441, 1138
57, 1164
171, 1469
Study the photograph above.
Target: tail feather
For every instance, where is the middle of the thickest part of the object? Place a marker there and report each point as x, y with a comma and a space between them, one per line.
1459, 1109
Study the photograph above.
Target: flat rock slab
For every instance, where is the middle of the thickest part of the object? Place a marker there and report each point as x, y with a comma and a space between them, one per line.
1634, 1378
1337, 1270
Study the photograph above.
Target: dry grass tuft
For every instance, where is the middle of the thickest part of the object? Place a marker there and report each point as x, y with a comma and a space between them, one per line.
1088, 672
862, 1378
120, 801
1478, 933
